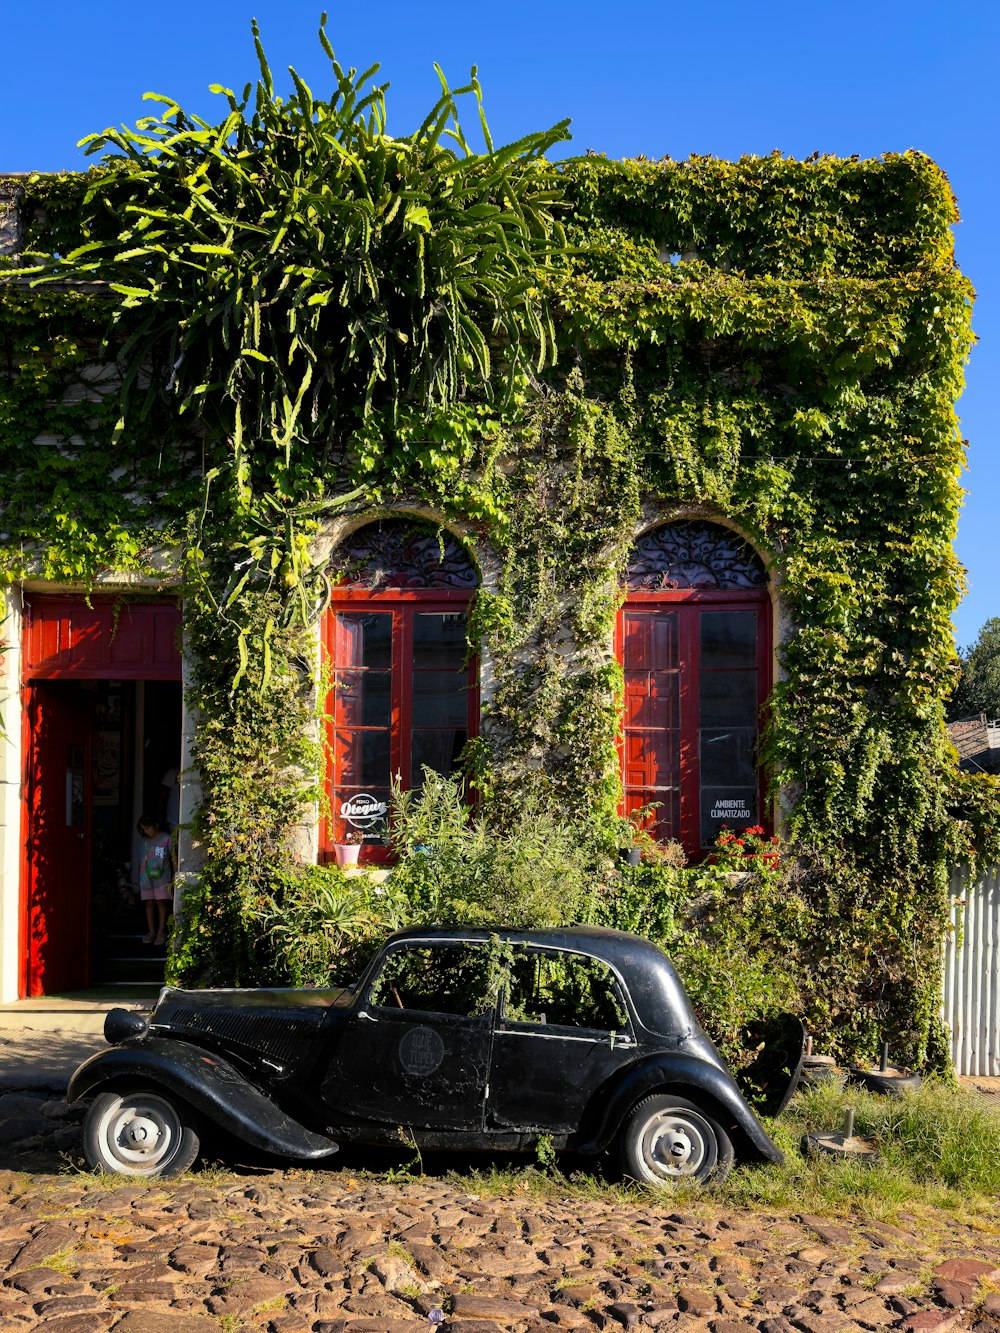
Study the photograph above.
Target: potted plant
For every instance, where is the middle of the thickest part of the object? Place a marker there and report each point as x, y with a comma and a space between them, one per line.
348, 848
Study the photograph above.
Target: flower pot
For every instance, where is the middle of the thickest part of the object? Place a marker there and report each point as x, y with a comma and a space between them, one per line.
347, 853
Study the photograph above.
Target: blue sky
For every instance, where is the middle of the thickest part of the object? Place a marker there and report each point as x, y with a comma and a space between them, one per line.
724, 78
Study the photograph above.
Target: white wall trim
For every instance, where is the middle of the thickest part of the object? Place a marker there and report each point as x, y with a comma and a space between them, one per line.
11, 617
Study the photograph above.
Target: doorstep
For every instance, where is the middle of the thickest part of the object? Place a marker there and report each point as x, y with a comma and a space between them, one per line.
74, 1011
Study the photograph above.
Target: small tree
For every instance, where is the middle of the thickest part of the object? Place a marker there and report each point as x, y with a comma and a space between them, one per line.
978, 689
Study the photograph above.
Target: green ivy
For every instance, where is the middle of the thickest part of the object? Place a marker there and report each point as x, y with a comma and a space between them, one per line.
776, 343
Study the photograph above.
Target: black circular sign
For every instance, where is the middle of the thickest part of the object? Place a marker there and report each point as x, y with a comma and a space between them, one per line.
421, 1051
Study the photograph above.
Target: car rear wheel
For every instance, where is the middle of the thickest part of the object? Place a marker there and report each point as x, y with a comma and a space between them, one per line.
140, 1133
667, 1140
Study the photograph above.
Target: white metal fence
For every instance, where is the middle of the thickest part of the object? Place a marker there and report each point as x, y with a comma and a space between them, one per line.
971, 1006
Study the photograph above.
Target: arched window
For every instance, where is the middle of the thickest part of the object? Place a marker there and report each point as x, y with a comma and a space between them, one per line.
694, 643
404, 695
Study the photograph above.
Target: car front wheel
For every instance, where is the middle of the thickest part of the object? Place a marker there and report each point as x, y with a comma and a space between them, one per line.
141, 1133
667, 1140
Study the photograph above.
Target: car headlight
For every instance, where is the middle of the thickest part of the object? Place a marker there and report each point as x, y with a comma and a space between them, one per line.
121, 1024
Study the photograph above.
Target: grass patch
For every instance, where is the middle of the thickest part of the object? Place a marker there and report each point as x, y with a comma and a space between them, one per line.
937, 1147
398, 1250
66, 1261
273, 1306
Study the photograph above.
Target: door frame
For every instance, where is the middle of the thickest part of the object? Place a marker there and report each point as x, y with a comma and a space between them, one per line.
59, 634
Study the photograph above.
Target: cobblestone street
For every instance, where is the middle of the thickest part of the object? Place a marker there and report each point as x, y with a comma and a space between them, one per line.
336, 1251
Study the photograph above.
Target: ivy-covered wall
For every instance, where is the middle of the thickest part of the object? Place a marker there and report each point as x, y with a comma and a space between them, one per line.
771, 343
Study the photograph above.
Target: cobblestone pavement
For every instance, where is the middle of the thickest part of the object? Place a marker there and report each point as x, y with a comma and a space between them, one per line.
335, 1251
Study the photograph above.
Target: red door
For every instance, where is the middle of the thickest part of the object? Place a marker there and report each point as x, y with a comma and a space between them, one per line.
57, 846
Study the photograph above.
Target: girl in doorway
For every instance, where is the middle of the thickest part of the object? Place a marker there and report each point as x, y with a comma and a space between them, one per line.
156, 878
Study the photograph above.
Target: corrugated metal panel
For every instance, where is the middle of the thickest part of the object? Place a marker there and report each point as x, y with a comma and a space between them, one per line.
971, 1003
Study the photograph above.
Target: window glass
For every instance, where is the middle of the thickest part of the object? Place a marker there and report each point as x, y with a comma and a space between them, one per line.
727, 757
363, 758
361, 810
364, 698
566, 990
364, 639
438, 750
439, 640
435, 978
440, 698
728, 698
728, 639
439, 693
732, 806
74, 786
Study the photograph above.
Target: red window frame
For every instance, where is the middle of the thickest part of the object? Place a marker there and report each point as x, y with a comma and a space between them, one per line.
404, 605
691, 604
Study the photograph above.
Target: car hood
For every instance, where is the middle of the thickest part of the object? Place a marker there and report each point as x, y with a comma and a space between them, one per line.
275, 1027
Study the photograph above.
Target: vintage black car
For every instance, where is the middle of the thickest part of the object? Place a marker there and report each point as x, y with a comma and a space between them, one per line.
463, 1039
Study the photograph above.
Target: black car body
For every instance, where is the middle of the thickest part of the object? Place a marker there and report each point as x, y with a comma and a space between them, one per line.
463, 1038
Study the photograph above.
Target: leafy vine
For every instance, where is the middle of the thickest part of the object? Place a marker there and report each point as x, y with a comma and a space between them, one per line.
227, 334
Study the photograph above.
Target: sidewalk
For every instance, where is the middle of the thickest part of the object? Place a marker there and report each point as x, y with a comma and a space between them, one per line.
43, 1040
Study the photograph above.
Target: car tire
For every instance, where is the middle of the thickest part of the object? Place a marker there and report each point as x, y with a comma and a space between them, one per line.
143, 1132
667, 1140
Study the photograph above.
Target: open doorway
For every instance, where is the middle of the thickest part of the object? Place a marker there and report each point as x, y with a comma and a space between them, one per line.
136, 746
98, 753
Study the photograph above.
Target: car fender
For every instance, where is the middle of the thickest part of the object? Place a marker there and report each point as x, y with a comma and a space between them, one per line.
609, 1109
208, 1083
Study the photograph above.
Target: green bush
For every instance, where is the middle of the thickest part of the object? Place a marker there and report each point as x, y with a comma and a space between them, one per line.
324, 925
729, 933
726, 934
455, 866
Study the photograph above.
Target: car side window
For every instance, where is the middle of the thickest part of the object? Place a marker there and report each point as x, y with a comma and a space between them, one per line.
565, 989
434, 978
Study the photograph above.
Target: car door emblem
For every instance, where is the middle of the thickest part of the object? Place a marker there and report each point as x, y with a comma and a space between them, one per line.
421, 1051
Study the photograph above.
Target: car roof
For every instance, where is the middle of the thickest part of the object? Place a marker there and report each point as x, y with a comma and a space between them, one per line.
653, 984
614, 946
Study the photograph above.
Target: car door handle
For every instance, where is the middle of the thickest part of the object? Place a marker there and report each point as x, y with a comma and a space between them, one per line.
620, 1043
367, 1016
